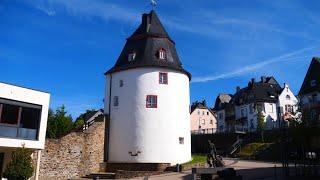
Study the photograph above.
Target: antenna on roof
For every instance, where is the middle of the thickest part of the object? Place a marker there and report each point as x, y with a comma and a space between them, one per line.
153, 4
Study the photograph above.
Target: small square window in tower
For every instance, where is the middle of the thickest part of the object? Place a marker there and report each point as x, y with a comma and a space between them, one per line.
163, 78
132, 56
151, 101
181, 140
116, 101
162, 54
121, 83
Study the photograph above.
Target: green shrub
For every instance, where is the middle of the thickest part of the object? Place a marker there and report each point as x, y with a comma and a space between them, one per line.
20, 167
59, 123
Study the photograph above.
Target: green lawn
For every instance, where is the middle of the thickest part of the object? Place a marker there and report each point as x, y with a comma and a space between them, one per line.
253, 148
196, 158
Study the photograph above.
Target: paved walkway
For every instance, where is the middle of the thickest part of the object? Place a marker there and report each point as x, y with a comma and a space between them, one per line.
248, 169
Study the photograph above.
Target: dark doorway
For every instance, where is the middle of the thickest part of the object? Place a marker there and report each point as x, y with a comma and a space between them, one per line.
1, 163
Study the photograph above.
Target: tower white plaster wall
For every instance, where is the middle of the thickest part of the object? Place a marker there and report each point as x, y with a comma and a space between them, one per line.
154, 132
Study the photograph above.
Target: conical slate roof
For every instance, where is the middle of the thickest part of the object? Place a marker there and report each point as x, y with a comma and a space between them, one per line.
145, 42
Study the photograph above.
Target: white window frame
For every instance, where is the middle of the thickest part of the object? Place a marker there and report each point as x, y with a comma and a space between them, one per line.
271, 111
162, 54
132, 56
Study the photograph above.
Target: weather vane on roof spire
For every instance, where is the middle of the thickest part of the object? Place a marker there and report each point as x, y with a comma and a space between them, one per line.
153, 4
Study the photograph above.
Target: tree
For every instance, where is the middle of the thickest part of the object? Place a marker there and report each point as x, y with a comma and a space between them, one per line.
20, 167
59, 123
260, 124
80, 121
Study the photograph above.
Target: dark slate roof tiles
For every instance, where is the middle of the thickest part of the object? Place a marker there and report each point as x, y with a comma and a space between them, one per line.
146, 42
313, 73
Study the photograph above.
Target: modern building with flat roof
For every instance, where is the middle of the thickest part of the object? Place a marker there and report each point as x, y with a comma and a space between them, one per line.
23, 121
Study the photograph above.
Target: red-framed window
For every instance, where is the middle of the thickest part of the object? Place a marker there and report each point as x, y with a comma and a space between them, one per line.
163, 78
151, 101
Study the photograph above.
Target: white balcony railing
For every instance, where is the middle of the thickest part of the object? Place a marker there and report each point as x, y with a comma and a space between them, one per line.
18, 133
204, 131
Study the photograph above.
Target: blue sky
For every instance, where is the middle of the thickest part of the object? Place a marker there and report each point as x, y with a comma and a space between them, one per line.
64, 47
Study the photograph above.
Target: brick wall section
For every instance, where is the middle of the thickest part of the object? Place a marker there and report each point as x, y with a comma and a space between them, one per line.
74, 155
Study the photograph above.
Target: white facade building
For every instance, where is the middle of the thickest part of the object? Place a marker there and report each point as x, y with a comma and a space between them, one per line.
23, 120
266, 96
147, 100
203, 119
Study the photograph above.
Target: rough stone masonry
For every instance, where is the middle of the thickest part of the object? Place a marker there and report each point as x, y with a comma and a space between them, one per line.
74, 155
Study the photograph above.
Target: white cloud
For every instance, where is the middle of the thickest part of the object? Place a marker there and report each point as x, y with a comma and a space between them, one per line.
206, 23
87, 8
253, 67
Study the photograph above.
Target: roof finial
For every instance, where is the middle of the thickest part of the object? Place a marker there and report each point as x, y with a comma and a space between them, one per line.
153, 4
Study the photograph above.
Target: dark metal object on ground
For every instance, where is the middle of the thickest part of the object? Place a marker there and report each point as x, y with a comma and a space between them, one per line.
228, 172
205, 173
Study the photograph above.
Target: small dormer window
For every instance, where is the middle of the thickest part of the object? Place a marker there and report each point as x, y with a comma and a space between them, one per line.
313, 83
162, 54
132, 56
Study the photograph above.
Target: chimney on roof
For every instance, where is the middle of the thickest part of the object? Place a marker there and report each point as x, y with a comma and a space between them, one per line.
204, 102
253, 80
263, 79
237, 88
145, 20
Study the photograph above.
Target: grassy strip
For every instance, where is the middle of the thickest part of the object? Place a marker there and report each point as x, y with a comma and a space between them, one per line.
252, 149
196, 158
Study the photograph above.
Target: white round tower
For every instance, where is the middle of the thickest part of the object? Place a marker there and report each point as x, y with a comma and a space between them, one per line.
147, 100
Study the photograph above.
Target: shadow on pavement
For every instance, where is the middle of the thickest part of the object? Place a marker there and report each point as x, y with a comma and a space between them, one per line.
263, 174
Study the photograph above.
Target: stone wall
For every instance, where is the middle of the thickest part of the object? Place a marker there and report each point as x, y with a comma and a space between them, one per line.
74, 155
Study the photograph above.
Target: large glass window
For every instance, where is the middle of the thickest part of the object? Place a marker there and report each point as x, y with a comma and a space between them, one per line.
10, 114
19, 120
